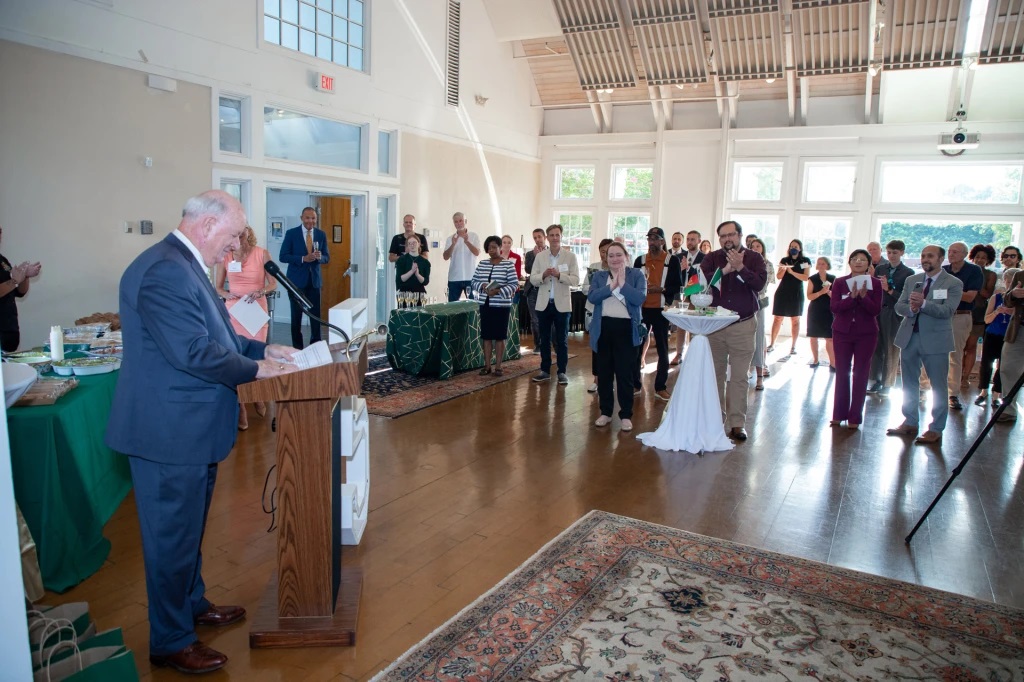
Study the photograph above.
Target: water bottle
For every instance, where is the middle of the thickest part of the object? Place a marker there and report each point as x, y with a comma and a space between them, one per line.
56, 343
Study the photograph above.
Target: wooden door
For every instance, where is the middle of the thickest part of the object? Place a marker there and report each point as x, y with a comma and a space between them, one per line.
335, 220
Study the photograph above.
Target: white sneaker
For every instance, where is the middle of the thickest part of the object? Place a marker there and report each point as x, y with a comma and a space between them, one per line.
592, 388
627, 425
603, 420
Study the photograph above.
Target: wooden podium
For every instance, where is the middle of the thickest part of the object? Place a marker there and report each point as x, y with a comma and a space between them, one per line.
309, 601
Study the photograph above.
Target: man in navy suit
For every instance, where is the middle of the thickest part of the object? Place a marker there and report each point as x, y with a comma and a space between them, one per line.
301, 250
175, 412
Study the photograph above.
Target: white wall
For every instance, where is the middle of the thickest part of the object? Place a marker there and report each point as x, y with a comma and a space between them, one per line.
220, 44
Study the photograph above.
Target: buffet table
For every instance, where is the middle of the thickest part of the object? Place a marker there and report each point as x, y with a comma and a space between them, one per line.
67, 482
693, 419
442, 339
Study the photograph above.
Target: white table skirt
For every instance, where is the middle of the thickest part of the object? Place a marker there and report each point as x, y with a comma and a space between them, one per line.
693, 418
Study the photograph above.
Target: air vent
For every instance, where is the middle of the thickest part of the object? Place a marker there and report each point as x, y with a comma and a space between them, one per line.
452, 61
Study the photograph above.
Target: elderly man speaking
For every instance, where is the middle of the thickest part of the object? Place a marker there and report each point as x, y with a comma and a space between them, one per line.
175, 413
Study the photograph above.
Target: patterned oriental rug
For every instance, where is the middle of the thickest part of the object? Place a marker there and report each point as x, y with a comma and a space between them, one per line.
617, 599
393, 394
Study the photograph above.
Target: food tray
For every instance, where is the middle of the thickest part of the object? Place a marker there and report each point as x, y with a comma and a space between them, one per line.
86, 366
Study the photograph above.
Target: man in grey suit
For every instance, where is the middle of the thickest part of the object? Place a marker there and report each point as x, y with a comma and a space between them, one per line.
925, 338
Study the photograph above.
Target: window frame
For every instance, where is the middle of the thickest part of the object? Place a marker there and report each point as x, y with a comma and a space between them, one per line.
246, 126
879, 217
809, 162
740, 216
612, 215
556, 214
736, 164
838, 269
985, 209
286, 164
556, 194
617, 201
319, 62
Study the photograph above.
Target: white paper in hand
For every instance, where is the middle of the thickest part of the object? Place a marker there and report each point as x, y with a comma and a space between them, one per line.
312, 356
250, 315
861, 281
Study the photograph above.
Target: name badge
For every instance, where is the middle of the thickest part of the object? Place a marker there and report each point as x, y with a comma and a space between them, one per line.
563, 268
940, 294
235, 266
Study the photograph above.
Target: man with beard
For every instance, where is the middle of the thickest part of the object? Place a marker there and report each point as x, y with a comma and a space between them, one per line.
925, 339
743, 274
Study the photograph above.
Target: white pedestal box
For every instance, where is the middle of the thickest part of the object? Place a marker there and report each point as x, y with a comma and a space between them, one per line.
354, 438
351, 315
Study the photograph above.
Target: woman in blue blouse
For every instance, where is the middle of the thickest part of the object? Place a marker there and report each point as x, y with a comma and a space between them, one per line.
616, 331
997, 319
494, 284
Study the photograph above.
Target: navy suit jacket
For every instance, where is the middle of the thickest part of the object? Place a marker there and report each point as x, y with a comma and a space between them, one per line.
176, 399
294, 248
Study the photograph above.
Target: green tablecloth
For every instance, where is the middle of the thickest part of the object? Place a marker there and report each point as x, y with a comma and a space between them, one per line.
66, 481
441, 339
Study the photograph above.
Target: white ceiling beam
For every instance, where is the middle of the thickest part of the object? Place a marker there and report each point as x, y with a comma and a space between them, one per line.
805, 94
868, 96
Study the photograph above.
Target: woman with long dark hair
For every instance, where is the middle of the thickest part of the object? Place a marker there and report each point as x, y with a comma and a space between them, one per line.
984, 256
789, 297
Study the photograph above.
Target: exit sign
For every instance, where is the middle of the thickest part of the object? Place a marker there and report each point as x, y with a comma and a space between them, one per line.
325, 83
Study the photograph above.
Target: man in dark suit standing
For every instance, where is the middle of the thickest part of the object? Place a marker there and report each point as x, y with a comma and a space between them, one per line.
175, 412
302, 251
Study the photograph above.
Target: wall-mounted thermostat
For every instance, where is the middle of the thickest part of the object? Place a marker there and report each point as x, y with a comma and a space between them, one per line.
146, 227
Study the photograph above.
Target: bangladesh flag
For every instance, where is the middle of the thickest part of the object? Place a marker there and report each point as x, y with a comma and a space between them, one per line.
692, 286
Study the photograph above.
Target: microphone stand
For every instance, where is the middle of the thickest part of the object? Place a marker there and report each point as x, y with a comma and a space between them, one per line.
274, 270
1008, 399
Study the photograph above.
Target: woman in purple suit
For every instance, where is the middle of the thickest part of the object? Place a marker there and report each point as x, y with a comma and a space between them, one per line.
855, 307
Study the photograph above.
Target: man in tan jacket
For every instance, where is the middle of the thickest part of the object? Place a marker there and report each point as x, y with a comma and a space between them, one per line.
554, 273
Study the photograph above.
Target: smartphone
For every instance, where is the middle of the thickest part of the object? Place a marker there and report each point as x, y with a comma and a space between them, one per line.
918, 286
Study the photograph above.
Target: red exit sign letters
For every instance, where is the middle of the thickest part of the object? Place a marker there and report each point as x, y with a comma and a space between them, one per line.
325, 83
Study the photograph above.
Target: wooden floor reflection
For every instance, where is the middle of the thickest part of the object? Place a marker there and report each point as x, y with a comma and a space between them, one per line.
462, 493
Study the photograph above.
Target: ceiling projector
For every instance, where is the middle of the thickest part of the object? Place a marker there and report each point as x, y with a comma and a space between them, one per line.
958, 140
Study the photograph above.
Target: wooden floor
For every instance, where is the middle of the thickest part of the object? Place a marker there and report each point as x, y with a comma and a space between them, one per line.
462, 493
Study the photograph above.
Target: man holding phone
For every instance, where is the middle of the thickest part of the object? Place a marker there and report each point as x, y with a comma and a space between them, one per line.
925, 339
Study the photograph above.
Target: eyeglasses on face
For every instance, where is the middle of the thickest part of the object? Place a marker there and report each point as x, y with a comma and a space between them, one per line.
1007, 255
728, 234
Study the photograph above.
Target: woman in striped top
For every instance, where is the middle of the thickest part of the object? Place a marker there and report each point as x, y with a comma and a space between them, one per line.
494, 284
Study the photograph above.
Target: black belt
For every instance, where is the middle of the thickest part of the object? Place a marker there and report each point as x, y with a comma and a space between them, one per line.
963, 312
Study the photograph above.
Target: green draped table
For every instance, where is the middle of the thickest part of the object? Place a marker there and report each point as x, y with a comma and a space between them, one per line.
442, 339
66, 481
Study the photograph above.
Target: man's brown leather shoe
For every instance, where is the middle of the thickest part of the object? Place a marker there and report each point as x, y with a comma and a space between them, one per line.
929, 438
220, 615
737, 433
902, 430
194, 659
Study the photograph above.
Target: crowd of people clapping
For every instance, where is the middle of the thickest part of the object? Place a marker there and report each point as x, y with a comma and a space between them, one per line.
879, 319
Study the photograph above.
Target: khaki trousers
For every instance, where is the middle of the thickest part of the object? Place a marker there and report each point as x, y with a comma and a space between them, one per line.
733, 347
1011, 364
961, 330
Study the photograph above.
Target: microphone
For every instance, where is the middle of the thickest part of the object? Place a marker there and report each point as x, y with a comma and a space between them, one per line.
274, 270
379, 329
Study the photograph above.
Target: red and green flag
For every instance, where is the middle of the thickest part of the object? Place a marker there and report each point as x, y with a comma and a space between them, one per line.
692, 286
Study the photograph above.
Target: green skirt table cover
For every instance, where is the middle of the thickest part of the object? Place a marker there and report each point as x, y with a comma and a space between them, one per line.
67, 482
442, 339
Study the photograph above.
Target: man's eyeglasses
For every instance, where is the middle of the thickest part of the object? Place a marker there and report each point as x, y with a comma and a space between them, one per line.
728, 235
1007, 255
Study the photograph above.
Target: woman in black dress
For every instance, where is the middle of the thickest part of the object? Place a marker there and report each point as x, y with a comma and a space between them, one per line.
789, 297
819, 311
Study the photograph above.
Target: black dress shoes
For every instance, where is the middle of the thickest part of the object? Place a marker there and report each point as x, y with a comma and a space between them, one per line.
737, 433
954, 403
194, 659
220, 615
